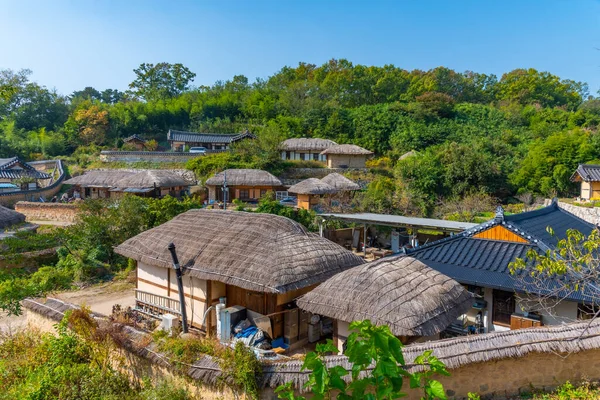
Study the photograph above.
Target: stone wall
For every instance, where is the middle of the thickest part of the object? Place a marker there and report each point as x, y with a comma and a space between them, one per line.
589, 214
60, 212
150, 156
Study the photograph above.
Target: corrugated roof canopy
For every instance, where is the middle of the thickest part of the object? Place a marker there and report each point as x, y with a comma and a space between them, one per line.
402, 221
260, 252
401, 292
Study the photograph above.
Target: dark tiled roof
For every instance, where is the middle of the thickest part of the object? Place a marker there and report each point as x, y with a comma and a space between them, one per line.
193, 137
134, 137
486, 262
7, 171
587, 172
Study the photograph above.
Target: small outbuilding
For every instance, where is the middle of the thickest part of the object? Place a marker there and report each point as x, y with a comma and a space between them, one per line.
305, 149
340, 182
309, 192
415, 301
346, 156
243, 184
261, 262
136, 142
114, 183
17, 174
589, 177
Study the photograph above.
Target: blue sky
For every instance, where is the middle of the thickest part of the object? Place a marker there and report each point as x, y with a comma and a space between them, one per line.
70, 44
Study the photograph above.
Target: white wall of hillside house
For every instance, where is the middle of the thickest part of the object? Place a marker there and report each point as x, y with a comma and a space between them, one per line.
308, 155
342, 332
163, 282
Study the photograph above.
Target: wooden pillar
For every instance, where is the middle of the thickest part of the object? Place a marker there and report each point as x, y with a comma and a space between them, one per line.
365, 239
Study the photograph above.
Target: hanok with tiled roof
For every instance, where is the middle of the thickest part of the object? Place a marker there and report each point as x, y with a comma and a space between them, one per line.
211, 141
136, 141
589, 176
480, 257
17, 172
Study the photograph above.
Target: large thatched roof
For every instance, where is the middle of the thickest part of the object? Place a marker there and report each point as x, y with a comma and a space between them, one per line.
129, 179
401, 292
244, 177
10, 217
340, 182
307, 144
261, 252
351, 149
312, 186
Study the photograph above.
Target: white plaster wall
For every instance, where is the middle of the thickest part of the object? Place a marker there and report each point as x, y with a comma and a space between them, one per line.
156, 275
342, 332
552, 312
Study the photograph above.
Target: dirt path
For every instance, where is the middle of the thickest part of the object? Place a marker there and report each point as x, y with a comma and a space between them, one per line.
100, 298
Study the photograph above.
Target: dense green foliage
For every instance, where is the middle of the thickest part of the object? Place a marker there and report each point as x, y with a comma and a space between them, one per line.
375, 351
71, 365
472, 132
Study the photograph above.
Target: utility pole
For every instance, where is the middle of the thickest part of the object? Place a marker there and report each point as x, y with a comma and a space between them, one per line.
225, 190
184, 323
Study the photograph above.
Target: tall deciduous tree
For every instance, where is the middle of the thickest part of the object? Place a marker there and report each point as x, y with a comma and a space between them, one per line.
161, 81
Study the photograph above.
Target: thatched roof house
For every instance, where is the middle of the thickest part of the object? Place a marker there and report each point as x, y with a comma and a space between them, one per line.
243, 184
260, 252
401, 292
305, 148
100, 184
309, 191
10, 217
346, 156
244, 177
312, 186
340, 182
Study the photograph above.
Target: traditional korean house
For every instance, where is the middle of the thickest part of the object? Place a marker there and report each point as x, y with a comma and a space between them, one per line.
309, 192
212, 142
589, 177
415, 301
242, 184
261, 262
15, 171
346, 156
10, 218
99, 184
480, 257
305, 149
340, 182
135, 142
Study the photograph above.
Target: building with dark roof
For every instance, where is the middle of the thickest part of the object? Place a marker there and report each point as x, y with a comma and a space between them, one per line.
480, 258
21, 174
589, 177
211, 141
136, 142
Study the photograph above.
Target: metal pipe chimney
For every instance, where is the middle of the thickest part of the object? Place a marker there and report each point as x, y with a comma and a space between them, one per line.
178, 273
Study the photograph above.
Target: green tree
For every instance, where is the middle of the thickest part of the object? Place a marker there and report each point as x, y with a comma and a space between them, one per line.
161, 81
373, 351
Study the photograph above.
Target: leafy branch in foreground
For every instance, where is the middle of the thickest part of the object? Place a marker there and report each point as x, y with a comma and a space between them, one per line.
378, 369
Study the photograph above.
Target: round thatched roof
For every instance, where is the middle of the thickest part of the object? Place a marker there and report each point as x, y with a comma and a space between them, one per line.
10, 217
340, 182
351, 149
129, 179
408, 154
312, 186
261, 252
307, 144
245, 177
401, 292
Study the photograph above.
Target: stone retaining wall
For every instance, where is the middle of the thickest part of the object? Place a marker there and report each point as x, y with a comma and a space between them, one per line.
589, 214
150, 156
60, 212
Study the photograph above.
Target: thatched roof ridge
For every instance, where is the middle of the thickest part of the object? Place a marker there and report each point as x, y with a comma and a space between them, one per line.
312, 186
261, 252
350, 149
401, 292
10, 217
465, 350
340, 182
246, 177
306, 144
129, 179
